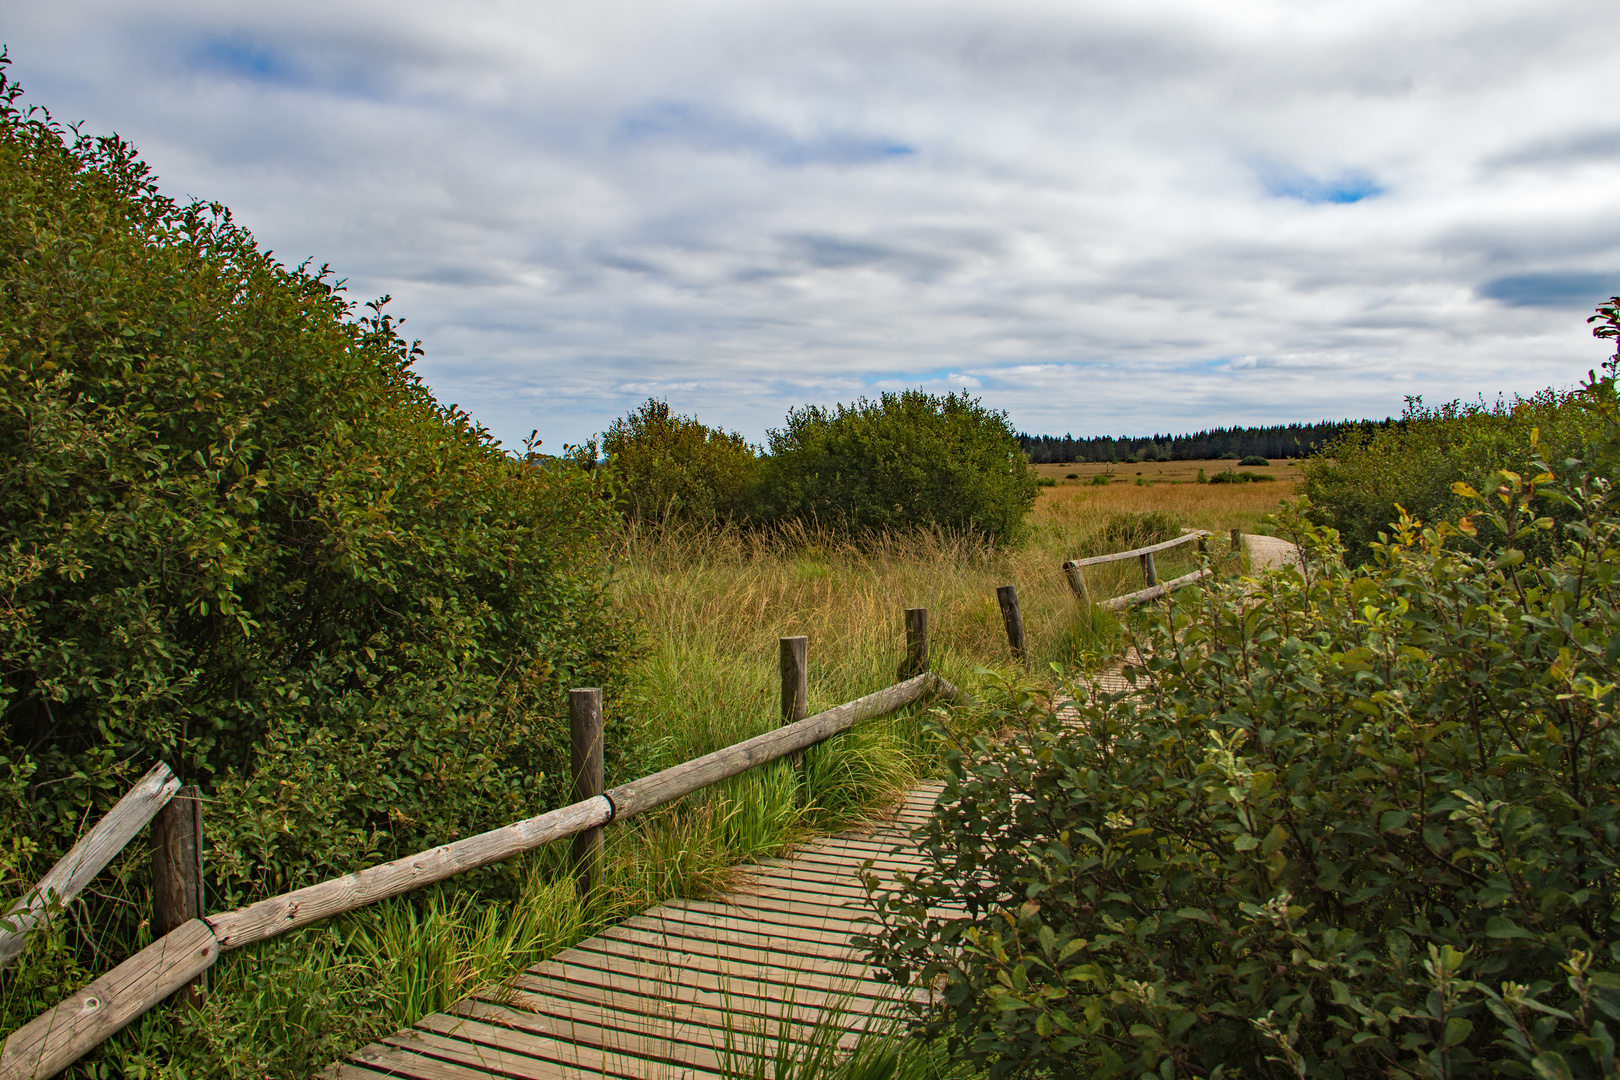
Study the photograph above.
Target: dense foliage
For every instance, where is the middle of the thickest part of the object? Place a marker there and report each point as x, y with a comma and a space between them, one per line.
1276, 441
907, 460
1359, 483
673, 467
239, 535
1352, 822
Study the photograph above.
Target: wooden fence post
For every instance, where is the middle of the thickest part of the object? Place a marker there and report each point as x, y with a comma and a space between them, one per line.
916, 661
1150, 571
177, 874
1077, 582
795, 666
585, 752
1012, 618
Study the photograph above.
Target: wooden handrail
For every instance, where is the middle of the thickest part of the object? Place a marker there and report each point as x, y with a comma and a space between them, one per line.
1164, 588
57, 1038
79, 866
1137, 553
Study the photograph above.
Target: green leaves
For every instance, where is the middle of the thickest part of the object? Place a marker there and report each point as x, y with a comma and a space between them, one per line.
1378, 795
238, 533
905, 461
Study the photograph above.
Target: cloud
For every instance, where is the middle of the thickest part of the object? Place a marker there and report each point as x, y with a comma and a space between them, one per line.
1100, 217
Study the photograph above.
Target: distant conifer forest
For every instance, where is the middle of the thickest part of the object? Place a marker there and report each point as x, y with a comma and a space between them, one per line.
1275, 441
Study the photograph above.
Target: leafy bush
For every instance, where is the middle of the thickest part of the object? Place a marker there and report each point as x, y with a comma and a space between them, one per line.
1255, 459
238, 534
1245, 477
1357, 482
1352, 823
905, 461
675, 467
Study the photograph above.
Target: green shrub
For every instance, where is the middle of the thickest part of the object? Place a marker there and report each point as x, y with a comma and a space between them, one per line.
1352, 823
1255, 459
675, 467
1245, 477
1357, 482
1046, 481
1101, 480
238, 534
905, 461
1071, 476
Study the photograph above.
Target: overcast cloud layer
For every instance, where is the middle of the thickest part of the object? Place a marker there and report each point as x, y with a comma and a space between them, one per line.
1104, 218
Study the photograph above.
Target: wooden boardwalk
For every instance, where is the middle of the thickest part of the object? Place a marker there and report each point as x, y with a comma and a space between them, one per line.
671, 992
663, 994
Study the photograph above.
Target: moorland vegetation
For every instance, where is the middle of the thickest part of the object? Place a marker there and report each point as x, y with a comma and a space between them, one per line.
1358, 817
1351, 820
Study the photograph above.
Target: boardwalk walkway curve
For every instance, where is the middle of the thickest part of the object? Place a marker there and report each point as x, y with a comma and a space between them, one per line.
660, 995
665, 993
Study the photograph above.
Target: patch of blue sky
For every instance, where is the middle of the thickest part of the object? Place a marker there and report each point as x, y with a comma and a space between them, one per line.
1569, 289
1349, 187
245, 60
706, 129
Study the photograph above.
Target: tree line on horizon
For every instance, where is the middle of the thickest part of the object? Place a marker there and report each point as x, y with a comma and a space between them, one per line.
1271, 441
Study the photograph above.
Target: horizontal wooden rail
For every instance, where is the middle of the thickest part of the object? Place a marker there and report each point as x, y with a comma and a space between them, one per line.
79, 866
1137, 553
54, 1040
1164, 588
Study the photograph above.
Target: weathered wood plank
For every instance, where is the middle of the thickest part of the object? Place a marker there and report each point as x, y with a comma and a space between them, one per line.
569, 1043
53, 1041
1137, 553
301, 907
688, 963
732, 950
682, 779
87, 858
644, 1014
1164, 588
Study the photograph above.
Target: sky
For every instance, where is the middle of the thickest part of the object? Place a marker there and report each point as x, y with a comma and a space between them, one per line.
1103, 218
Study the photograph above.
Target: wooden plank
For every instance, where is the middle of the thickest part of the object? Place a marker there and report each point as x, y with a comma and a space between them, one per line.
747, 934
1165, 588
614, 972
488, 1060
569, 1056
569, 1043
757, 953
301, 907
56, 1039
626, 1009
391, 1061
689, 776
687, 962
1136, 553
87, 858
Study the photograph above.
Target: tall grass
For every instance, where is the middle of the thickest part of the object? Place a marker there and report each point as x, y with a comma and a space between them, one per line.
712, 603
